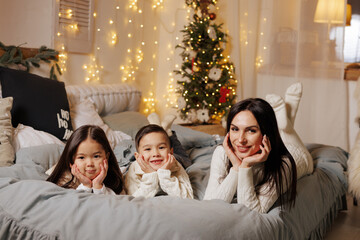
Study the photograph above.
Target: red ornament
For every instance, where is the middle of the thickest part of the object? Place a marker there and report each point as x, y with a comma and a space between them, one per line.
223, 92
212, 16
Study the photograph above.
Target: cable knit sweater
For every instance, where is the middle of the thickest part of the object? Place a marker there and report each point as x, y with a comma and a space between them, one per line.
174, 183
223, 184
104, 190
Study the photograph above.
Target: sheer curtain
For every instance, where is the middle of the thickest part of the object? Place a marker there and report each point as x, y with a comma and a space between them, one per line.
276, 43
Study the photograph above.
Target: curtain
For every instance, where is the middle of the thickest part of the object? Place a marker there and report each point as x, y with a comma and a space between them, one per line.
275, 43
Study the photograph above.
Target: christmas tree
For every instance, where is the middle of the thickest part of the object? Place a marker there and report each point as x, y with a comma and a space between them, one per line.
207, 85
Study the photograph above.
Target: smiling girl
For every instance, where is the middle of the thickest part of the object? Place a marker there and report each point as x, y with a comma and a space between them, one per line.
156, 170
88, 163
253, 163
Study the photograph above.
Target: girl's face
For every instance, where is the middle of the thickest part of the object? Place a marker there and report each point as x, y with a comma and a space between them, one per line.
89, 155
155, 148
245, 134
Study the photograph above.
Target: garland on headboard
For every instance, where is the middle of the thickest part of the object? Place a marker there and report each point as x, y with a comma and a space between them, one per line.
29, 57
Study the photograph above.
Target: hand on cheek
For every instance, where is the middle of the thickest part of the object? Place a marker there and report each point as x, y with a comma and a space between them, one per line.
144, 165
260, 156
81, 177
98, 181
235, 161
169, 162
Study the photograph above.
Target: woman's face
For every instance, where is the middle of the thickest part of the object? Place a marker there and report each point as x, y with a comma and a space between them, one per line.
245, 134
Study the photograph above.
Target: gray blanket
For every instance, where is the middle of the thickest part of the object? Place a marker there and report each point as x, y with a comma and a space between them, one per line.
31, 208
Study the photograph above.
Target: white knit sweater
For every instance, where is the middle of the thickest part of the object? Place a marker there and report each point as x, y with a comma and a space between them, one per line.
223, 184
175, 182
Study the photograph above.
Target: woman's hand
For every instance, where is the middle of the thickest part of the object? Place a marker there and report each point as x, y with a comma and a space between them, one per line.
144, 165
81, 177
235, 161
169, 162
260, 156
98, 181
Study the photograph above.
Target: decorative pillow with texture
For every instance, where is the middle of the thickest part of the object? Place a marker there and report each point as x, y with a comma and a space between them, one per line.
25, 136
85, 113
7, 153
38, 102
44, 155
128, 122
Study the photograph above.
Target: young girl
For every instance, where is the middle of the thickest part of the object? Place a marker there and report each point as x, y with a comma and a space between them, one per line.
253, 162
88, 163
156, 170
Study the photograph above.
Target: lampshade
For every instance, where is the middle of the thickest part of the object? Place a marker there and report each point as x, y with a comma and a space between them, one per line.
330, 11
348, 14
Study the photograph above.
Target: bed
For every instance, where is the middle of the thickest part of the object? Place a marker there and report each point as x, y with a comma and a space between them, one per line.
31, 208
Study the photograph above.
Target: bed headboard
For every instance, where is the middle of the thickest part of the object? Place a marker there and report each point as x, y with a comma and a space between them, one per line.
108, 98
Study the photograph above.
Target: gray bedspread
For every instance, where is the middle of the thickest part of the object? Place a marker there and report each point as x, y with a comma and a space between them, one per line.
31, 208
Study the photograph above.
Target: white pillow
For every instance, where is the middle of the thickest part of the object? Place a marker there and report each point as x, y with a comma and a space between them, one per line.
25, 136
85, 113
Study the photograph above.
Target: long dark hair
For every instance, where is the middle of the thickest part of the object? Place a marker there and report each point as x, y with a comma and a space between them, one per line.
113, 179
276, 168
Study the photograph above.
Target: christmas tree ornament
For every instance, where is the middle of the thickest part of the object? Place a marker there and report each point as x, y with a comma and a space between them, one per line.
181, 103
215, 73
223, 121
188, 71
192, 54
203, 115
223, 93
212, 33
212, 16
186, 79
198, 13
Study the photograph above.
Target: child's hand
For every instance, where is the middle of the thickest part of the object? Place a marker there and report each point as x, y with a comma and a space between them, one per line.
98, 181
81, 177
259, 157
144, 165
169, 162
235, 161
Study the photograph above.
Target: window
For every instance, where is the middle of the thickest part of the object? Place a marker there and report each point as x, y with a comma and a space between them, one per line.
74, 25
352, 34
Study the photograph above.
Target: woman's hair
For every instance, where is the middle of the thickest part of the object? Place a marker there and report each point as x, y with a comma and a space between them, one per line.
113, 179
150, 129
276, 168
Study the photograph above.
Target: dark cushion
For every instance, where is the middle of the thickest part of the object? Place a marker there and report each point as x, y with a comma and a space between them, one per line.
38, 102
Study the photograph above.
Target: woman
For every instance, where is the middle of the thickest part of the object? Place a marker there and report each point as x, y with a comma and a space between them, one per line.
253, 161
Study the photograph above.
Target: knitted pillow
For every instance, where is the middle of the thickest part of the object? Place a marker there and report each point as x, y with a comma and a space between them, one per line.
7, 153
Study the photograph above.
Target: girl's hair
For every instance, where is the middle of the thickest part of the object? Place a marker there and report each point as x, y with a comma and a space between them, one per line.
150, 129
113, 179
276, 168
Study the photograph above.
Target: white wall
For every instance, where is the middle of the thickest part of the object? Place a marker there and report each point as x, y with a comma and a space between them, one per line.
32, 22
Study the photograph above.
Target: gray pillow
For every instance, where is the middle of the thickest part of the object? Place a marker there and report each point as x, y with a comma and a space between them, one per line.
191, 138
49, 154
128, 122
44, 155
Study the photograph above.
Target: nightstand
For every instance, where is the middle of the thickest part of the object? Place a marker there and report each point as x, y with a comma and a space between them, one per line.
207, 128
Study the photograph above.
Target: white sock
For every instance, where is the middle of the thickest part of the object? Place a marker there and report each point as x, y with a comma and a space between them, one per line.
153, 118
167, 122
278, 104
292, 99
